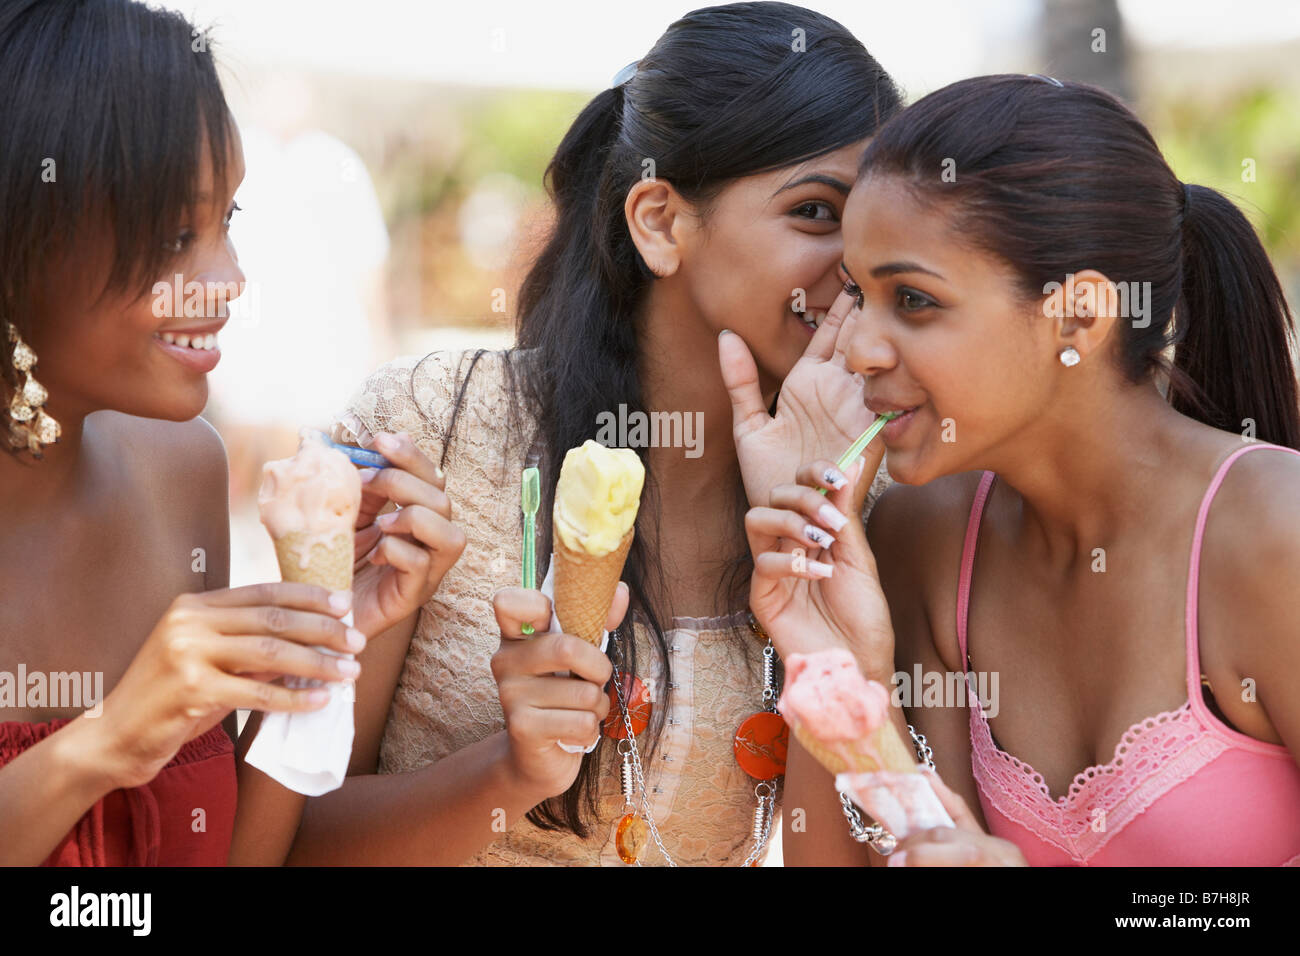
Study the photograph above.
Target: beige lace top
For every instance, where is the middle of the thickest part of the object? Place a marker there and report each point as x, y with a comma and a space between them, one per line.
446, 697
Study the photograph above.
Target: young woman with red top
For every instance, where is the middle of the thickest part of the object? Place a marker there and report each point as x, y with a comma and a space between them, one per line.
118, 171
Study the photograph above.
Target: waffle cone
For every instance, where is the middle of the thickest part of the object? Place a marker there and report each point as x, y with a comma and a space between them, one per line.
327, 563
585, 585
895, 754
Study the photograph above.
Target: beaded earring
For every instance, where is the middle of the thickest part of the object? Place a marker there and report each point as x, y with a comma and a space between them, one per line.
29, 425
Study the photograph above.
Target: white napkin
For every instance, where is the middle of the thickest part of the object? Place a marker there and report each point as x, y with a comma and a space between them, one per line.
548, 588
903, 803
308, 751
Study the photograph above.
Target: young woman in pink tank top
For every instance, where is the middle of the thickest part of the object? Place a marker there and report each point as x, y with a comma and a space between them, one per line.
1129, 484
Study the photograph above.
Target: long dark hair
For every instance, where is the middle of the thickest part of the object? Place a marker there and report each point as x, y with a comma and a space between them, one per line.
1057, 177
726, 92
104, 111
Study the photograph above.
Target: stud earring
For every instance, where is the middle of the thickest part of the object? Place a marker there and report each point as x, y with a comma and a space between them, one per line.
1069, 357
29, 425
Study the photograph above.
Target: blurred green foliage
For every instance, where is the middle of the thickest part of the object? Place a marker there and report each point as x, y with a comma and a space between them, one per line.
1207, 143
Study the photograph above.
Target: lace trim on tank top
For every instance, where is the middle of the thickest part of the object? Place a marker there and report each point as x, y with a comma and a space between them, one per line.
1152, 757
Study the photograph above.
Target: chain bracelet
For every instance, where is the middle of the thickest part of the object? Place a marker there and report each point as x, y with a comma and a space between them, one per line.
876, 836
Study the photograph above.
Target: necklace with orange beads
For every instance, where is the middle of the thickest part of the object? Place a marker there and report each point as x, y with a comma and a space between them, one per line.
760, 745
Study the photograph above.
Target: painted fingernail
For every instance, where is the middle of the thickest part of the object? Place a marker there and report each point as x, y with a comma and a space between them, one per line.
386, 443
831, 515
368, 474
439, 474
348, 668
819, 570
834, 478
356, 640
340, 600
318, 697
817, 536
898, 858
385, 521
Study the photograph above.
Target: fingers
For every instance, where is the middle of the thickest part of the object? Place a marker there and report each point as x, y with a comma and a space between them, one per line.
822, 473
815, 509
619, 608
554, 693
285, 594
429, 529
401, 450
242, 693
299, 627
412, 562
773, 564
270, 656
740, 376
952, 802
822, 346
403, 488
941, 846
843, 307
548, 653
767, 526
535, 727
515, 607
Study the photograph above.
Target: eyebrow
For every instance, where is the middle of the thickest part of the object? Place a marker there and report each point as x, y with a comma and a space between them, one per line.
893, 268
837, 184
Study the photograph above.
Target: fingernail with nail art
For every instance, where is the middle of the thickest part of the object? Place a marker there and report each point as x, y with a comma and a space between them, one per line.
834, 478
817, 536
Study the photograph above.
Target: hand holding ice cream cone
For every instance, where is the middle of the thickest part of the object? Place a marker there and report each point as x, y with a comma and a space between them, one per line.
405, 541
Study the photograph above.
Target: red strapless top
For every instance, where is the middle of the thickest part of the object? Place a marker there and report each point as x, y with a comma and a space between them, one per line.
156, 824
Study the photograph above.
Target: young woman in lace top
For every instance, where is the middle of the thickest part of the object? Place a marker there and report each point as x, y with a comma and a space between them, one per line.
703, 193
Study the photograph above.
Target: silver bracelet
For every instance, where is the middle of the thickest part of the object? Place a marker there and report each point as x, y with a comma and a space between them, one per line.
876, 836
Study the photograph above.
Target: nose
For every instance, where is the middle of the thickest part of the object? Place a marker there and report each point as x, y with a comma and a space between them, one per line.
223, 280
869, 350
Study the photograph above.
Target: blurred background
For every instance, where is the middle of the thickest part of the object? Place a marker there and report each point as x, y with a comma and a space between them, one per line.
395, 153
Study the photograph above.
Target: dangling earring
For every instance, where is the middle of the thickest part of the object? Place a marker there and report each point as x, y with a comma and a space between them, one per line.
1069, 357
29, 425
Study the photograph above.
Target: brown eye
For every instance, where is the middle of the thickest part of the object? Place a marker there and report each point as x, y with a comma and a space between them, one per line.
810, 210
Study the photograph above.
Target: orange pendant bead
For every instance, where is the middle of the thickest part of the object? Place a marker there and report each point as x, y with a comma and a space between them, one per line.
761, 744
631, 838
639, 708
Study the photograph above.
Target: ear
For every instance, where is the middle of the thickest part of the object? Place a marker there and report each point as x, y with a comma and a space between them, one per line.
658, 219
1089, 312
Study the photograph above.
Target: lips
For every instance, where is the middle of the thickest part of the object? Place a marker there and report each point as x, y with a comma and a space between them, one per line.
883, 406
195, 346
810, 319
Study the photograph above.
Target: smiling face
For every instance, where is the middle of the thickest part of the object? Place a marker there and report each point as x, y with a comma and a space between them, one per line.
110, 350
942, 329
767, 237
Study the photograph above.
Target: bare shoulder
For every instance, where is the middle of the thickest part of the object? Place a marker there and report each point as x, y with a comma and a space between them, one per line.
190, 450
180, 474
916, 534
1250, 554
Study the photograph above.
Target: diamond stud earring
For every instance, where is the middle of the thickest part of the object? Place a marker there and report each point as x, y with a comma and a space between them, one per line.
1069, 357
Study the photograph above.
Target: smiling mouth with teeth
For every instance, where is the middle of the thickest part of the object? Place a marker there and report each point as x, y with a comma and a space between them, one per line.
203, 343
812, 318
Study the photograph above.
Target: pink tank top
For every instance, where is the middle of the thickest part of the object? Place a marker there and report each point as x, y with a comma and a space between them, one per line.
1183, 788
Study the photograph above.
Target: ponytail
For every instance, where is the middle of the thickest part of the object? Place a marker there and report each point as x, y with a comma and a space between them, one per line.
1235, 353
719, 97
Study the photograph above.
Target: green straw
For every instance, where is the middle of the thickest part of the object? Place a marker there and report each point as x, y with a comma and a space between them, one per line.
530, 500
854, 450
